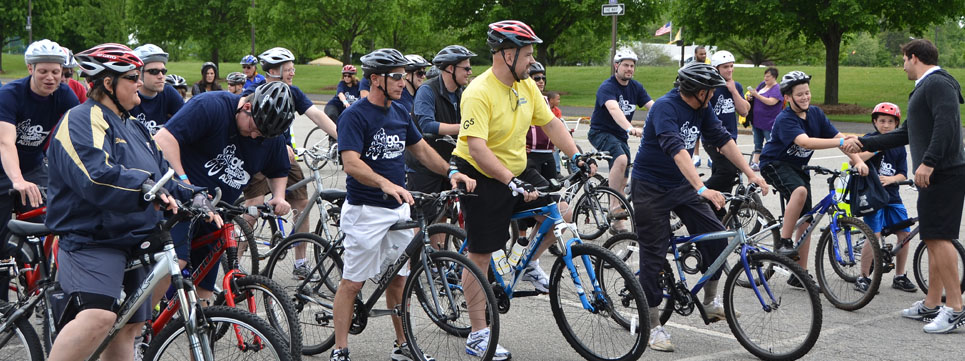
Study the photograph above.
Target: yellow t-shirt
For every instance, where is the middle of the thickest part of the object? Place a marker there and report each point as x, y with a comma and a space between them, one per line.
487, 112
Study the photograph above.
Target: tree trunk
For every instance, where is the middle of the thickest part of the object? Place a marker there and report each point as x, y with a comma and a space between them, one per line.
346, 51
832, 45
215, 56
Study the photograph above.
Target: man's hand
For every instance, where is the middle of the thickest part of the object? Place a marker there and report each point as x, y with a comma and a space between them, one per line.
28, 191
280, 206
862, 168
634, 131
518, 186
851, 144
400, 194
291, 154
714, 197
923, 176
202, 202
756, 179
464, 179
731, 85
590, 161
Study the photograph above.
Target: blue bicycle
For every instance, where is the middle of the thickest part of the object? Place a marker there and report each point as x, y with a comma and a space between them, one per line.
771, 319
599, 323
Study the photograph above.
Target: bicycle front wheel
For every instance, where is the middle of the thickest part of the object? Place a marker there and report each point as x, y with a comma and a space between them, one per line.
783, 322
920, 265
313, 294
600, 210
267, 299
442, 302
248, 256
613, 330
837, 264
234, 335
18, 341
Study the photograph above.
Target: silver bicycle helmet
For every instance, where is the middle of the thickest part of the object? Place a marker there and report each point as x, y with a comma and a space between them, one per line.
44, 51
274, 57
235, 78
176, 81
416, 62
382, 61
150, 53
272, 108
625, 54
537, 68
793, 78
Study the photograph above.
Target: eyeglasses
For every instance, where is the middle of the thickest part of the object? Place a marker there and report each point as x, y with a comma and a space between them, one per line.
395, 76
133, 77
420, 73
157, 71
292, 70
539, 78
512, 94
247, 66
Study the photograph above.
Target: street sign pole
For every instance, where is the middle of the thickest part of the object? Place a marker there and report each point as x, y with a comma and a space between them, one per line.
613, 10
613, 45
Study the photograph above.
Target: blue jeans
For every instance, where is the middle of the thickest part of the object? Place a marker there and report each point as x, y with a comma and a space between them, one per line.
760, 135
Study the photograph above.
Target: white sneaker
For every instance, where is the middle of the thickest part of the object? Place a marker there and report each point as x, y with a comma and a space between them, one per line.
660, 340
946, 321
476, 346
715, 310
918, 311
535, 275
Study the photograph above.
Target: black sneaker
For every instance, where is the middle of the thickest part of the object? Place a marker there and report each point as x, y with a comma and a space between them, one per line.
785, 247
862, 284
903, 283
796, 283
340, 354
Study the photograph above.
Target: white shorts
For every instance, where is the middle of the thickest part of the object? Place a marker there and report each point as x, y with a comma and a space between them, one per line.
368, 239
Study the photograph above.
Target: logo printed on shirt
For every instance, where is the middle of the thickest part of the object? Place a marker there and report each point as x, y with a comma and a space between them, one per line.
228, 168
151, 125
30, 135
886, 169
626, 107
723, 105
798, 151
385, 146
690, 134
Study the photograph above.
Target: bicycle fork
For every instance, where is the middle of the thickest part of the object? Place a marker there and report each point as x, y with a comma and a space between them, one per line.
768, 307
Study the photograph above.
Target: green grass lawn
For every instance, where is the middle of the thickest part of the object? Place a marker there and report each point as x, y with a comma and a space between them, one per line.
862, 86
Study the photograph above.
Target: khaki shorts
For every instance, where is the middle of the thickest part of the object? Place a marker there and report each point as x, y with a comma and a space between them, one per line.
258, 186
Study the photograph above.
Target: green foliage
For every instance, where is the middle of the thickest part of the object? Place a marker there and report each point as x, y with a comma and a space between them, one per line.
46, 21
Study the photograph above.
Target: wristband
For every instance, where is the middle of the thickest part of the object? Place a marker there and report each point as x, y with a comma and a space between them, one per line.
630, 129
701, 190
841, 143
575, 155
183, 177
451, 172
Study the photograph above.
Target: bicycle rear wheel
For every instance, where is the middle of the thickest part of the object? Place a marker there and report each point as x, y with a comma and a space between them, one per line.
248, 256
837, 264
313, 295
920, 265
259, 341
19, 341
268, 300
626, 248
613, 330
436, 306
790, 324
600, 210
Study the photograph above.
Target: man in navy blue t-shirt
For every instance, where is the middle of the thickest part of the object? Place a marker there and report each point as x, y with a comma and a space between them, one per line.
222, 139
374, 133
727, 103
159, 100
610, 128
665, 180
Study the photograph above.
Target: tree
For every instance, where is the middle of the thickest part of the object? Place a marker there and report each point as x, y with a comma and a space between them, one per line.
775, 47
80, 33
338, 21
825, 20
47, 17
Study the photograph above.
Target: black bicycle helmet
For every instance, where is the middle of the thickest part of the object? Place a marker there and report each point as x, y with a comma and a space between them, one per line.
383, 61
452, 54
793, 78
432, 72
510, 34
536, 68
694, 77
416, 62
272, 108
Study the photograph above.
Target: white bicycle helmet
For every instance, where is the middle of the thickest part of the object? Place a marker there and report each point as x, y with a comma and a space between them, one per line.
44, 51
112, 57
176, 80
721, 57
274, 57
416, 62
71, 62
789, 80
236, 78
150, 53
624, 54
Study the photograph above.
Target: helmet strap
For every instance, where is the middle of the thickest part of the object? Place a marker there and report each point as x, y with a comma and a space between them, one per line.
111, 94
385, 90
512, 68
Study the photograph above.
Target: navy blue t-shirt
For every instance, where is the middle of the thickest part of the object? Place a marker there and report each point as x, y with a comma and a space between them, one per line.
672, 116
365, 84
380, 137
351, 95
154, 112
302, 103
890, 162
788, 126
629, 97
723, 105
214, 154
406, 100
34, 116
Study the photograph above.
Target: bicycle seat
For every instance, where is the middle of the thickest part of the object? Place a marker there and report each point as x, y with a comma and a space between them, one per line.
27, 229
332, 195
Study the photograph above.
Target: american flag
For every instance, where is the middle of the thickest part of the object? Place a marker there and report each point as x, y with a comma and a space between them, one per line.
663, 30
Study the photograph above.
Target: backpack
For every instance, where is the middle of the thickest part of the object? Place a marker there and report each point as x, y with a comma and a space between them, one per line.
866, 195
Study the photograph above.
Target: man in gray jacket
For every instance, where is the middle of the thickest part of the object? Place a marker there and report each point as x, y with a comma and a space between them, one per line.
934, 132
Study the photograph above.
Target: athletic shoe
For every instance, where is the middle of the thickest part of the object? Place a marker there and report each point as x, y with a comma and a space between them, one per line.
785, 247
862, 284
476, 346
715, 310
301, 272
660, 340
535, 275
696, 162
340, 354
918, 311
402, 353
946, 321
903, 283
756, 167
796, 283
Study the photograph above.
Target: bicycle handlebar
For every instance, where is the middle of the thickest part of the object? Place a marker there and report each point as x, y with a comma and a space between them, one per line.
152, 193
906, 182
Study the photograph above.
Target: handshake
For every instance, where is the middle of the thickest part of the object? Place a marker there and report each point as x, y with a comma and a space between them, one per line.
851, 144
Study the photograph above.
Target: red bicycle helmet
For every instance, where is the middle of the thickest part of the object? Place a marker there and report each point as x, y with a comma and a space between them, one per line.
511, 34
349, 69
886, 108
113, 57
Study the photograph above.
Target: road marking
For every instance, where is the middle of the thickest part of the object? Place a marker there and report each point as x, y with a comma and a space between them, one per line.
701, 330
830, 157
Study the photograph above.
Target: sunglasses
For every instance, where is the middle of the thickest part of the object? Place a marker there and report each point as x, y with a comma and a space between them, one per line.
157, 71
468, 68
395, 76
247, 66
420, 73
346, 75
133, 77
539, 78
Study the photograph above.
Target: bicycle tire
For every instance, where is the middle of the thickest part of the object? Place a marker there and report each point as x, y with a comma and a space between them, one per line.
314, 137
590, 209
23, 338
750, 323
751, 216
920, 265
453, 236
218, 319
248, 256
312, 301
570, 313
425, 329
838, 285
269, 297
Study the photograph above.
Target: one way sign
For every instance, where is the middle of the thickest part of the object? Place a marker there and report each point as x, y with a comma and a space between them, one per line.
613, 9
